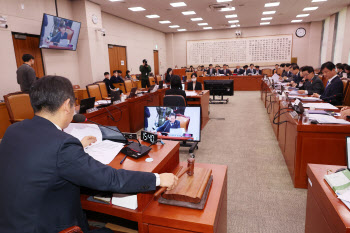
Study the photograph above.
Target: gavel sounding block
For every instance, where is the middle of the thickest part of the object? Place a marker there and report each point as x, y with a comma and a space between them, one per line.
190, 188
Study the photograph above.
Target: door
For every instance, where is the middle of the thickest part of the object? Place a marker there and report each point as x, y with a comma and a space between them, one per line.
156, 62
28, 44
117, 58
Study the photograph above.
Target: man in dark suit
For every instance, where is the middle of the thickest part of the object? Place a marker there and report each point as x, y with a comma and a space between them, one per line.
252, 70
197, 85
42, 167
297, 76
257, 70
340, 69
246, 71
287, 74
226, 71
218, 69
238, 70
310, 83
333, 92
211, 70
107, 82
172, 123
116, 78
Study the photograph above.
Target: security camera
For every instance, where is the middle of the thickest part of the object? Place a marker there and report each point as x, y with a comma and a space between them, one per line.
102, 30
3, 22
238, 33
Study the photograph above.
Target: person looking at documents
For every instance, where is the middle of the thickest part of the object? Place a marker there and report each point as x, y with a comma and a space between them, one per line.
333, 92
172, 123
43, 175
310, 83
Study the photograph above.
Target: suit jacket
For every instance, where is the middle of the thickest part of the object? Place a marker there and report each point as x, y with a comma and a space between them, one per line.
211, 71
25, 77
226, 72
258, 72
115, 80
297, 78
246, 72
108, 85
238, 71
167, 126
168, 78
253, 71
41, 178
287, 74
198, 86
333, 93
315, 85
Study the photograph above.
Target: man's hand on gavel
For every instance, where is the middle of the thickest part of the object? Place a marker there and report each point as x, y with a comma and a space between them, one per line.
168, 180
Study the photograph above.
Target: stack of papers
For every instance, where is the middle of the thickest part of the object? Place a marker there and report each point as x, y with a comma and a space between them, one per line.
340, 183
319, 106
102, 102
303, 98
191, 93
325, 119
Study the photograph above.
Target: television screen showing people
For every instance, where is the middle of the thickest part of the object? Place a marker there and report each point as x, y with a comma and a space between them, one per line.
59, 33
183, 123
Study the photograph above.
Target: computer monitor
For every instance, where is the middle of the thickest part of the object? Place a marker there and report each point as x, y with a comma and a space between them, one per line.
176, 123
115, 95
86, 104
219, 87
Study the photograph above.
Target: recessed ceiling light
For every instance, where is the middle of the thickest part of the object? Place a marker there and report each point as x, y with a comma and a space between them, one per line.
310, 8
302, 15
181, 30
196, 19
296, 20
269, 12
238, 25
233, 21
228, 9
164, 22
152, 16
264, 23
116, 0
266, 18
189, 13
233, 26
178, 4
230, 16
319, 0
206, 28
272, 4
174, 26
136, 8
202, 24
224, 0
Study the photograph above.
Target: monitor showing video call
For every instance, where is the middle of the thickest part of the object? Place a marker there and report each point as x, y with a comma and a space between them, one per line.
183, 123
59, 33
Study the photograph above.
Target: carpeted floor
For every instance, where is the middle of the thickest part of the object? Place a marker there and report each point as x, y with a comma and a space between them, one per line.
261, 196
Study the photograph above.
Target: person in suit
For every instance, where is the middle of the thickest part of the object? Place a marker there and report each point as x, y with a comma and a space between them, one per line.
238, 70
172, 123
246, 71
310, 83
257, 70
297, 76
274, 71
217, 69
283, 67
116, 78
176, 87
211, 71
48, 168
194, 85
340, 69
347, 72
128, 76
61, 35
191, 69
333, 92
252, 70
287, 74
226, 71
168, 75
107, 82
25, 73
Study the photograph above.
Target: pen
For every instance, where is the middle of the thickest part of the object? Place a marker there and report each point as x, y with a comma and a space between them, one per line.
123, 159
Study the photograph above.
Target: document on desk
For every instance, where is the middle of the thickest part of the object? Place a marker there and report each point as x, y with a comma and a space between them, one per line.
99, 102
325, 119
125, 200
191, 93
81, 130
104, 151
303, 98
319, 105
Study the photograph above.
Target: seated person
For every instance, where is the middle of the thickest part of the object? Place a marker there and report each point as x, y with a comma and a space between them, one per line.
50, 166
172, 123
333, 92
169, 74
286, 71
252, 70
194, 85
238, 70
310, 83
226, 71
59, 36
107, 82
347, 72
340, 69
191, 69
116, 78
283, 66
257, 70
199, 68
274, 71
176, 87
246, 71
296, 75
217, 69
211, 71
128, 76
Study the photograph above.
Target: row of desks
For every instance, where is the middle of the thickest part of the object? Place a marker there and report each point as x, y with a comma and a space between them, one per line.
302, 144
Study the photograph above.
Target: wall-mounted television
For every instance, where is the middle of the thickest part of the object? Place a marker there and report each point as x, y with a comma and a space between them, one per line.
59, 33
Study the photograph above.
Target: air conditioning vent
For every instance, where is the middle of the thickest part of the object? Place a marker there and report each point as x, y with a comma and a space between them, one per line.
218, 7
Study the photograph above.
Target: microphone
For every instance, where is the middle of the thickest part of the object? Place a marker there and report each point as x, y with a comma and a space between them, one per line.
80, 118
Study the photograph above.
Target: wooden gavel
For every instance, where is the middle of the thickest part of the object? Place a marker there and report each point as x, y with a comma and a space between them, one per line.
189, 170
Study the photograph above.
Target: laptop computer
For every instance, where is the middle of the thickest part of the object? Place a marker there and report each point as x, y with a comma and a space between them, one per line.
115, 95
133, 92
151, 88
86, 104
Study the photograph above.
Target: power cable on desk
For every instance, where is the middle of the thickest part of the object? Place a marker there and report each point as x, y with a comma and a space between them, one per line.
111, 116
280, 114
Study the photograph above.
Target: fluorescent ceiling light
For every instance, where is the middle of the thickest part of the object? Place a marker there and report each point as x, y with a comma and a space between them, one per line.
230, 16
302, 15
202, 24
181, 30
272, 4
266, 18
174, 26
310, 8
224, 0
233, 26
116, 0
319, 0
206, 28
238, 25
296, 20
196, 19
228, 9
152, 16
137, 8
189, 13
233, 21
264, 23
269, 12
178, 4
164, 22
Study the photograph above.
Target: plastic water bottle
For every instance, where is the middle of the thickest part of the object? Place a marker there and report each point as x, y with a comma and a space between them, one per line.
306, 120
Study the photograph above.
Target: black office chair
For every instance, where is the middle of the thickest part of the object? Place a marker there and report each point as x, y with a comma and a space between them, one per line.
174, 101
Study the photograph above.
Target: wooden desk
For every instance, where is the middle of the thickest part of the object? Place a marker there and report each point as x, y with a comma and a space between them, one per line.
160, 218
80, 94
241, 83
202, 100
4, 119
180, 72
325, 213
166, 159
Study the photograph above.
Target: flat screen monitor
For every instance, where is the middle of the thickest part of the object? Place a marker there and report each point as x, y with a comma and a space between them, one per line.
59, 33
86, 104
182, 123
219, 87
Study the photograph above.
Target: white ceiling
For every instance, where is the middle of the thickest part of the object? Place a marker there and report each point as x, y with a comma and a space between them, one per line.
249, 12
